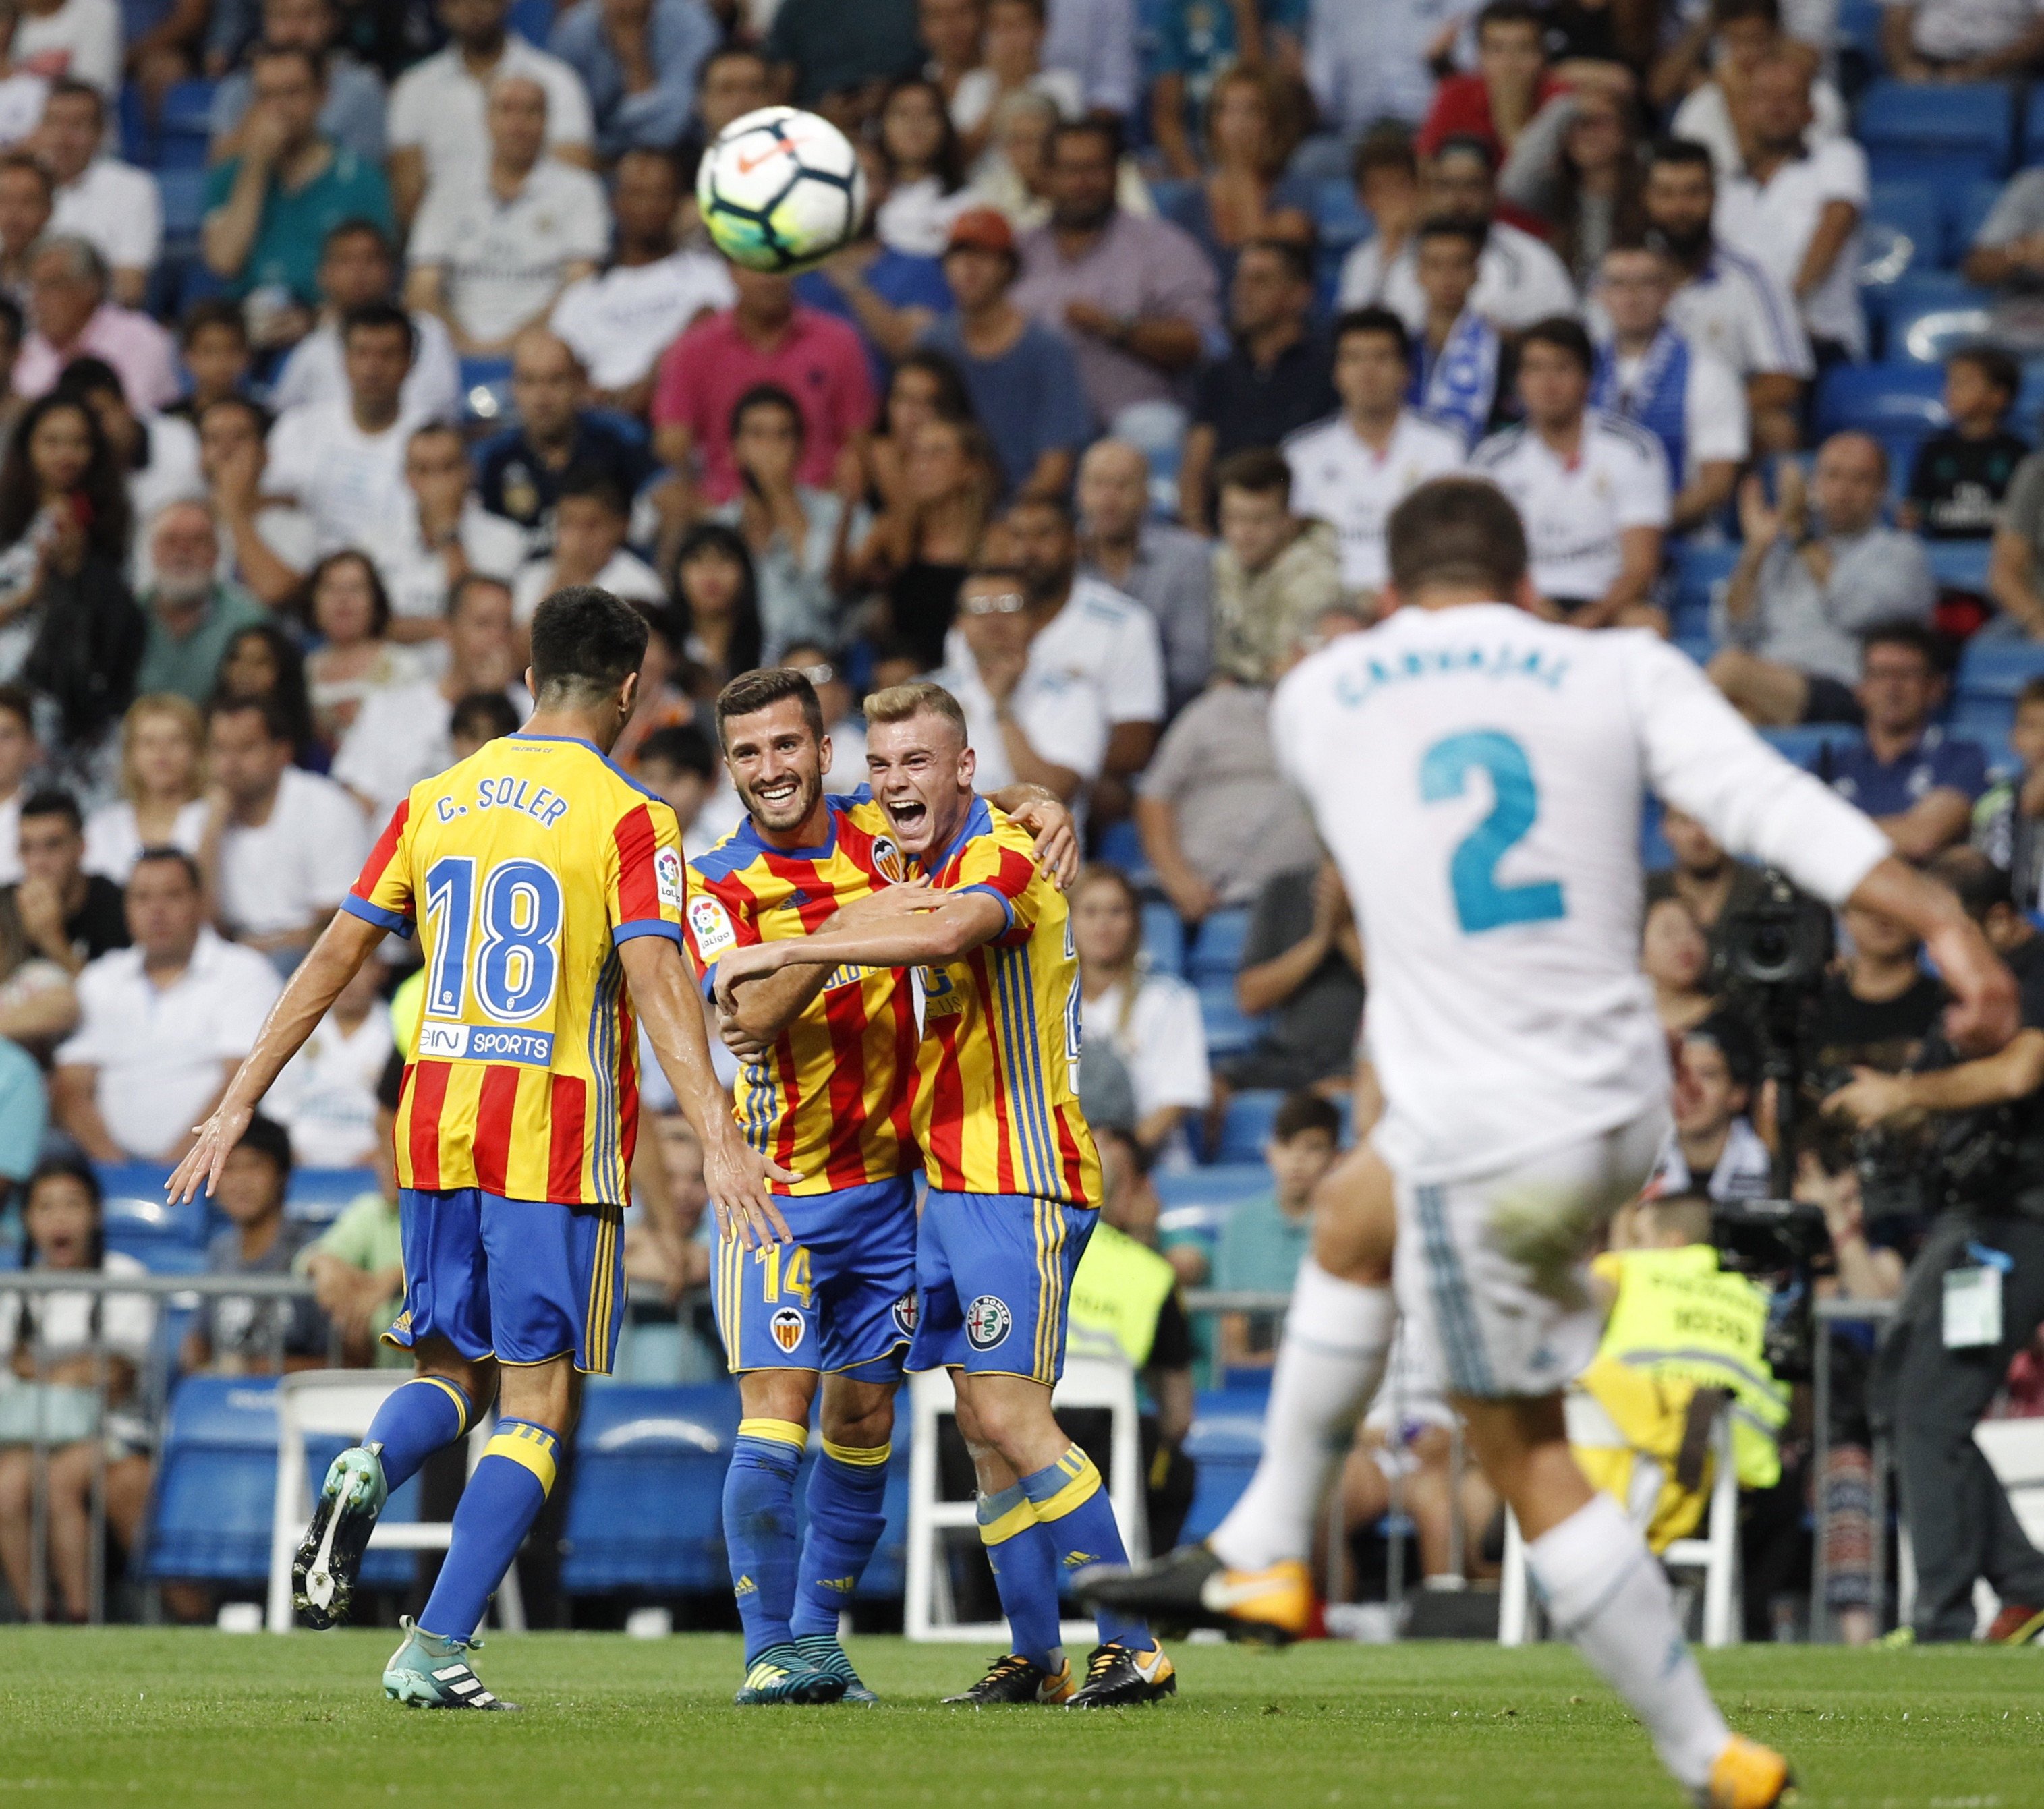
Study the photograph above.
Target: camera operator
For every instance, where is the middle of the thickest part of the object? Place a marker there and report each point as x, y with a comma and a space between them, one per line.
1712, 1146
1975, 1294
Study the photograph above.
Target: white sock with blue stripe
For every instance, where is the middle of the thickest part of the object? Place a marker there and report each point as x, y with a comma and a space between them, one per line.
1337, 1337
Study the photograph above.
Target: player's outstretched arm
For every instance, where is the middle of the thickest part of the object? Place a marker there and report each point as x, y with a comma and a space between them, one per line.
344, 944
963, 921
1983, 1013
734, 1173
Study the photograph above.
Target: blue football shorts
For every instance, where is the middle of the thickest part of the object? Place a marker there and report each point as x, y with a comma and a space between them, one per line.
840, 1297
522, 1281
993, 1275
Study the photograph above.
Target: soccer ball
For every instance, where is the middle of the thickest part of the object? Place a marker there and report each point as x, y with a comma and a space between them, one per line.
780, 190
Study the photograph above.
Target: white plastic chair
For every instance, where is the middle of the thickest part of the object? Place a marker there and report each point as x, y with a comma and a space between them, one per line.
1716, 1553
1089, 1381
341, 1404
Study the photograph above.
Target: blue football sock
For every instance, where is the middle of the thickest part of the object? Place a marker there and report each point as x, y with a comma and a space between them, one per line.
415, 1421
847, 1490
1078, 1520
760, 1527
497, 1508
1025, 1574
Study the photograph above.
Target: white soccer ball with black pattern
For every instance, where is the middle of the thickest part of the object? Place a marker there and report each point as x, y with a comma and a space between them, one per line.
780, 190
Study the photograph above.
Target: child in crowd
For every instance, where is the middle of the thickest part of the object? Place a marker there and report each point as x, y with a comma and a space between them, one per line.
1961, 475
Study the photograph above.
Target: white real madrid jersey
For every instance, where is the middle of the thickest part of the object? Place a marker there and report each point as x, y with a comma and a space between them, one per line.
1477, 774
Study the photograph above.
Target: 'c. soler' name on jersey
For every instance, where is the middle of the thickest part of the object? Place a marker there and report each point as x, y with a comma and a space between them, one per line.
543, 804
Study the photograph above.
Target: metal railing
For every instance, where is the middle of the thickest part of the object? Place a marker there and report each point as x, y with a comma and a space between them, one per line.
149, 1399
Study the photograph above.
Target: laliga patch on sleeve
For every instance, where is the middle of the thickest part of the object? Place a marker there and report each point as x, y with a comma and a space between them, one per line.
714, 935
667, 877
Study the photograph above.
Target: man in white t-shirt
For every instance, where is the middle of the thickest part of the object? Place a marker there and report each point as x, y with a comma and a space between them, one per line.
326, 1096
344, 460
1686, 397
436, 119
266, 545
1726, 302
402, 734
1352, 470
620, 321
1744, 34
1591, 488
449, 534
1961, 41
162, 1026
55, 38
491, 256
357, 266
111, 204
1032, 722
1795, 206
1519, 279
591, 518
294, 841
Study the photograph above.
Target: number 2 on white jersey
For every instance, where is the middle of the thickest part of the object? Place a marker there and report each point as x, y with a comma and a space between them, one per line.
1481, 902
516, 965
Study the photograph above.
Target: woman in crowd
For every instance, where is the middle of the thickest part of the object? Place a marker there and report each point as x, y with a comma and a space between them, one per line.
262, 661
919, 549
925, 385
796, 534
1244, 194
1674, 955
1152, 1020
69, 1363
69, 626
923, 168
1577, 167
163, 802
716, 596
348, 608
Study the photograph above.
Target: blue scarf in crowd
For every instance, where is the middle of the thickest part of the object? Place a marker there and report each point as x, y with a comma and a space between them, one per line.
1460, 382
1658, 399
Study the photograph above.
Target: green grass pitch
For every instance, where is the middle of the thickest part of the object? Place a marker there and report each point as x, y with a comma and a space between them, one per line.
161, 1717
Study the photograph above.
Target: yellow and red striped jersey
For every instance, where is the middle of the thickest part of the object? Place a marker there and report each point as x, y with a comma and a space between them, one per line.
995, 1102
830, 1099
525, 867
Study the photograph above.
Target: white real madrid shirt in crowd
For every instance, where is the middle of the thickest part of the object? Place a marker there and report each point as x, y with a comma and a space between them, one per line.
620, 321
1338, 479
81, 39
401, 737
502, 260
433, 387
116, 208
350, 482
438, 109
1773, 223
1100, 635
1716, 425
1706, 117
624, 575
415, 576
326, 1096
1745, 1168
1575, 508
163, 1053
1507, 1015
1061, 712
1518, 281
297, 866
1160, 1037
1736, 308
113, 844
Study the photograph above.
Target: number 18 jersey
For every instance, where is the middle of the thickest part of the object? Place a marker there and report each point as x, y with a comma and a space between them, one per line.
525, 867
1477, 775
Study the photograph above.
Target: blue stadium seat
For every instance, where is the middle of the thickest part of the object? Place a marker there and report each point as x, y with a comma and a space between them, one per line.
1229, 1031
1905, 227
160, 1256
1698, 570
1881, 399
1215, 1188
1163, 938
1986, 720
1942, 133
1225, 1442
188, 108
135, 1208
184, 206
1246, 1126
1216, 948
1805, 745
1966, 209
533, 19
1959, 564
2033, 127
1119, 845
216, 1481
1998, 669
645, 1512
318, 1195
1343, 222
1928, 314
1859, 26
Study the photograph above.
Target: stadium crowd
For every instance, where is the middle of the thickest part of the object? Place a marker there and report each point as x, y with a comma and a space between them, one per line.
334, 336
